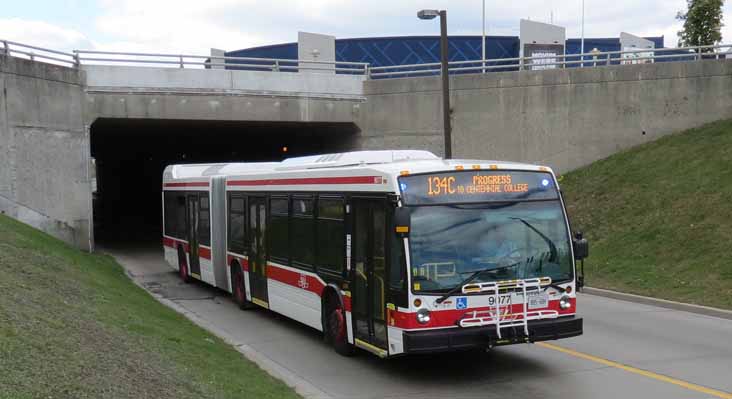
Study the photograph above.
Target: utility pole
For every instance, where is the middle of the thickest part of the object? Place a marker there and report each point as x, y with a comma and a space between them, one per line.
447, 129
582, 45
482, 43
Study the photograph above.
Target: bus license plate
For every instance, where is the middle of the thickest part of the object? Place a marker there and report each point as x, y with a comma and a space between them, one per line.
538, 301
503, 300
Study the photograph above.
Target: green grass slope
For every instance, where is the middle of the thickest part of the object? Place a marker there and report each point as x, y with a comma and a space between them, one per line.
72, 325
659, 217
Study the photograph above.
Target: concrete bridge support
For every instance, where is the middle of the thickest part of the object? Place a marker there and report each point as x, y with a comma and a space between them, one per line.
44, 149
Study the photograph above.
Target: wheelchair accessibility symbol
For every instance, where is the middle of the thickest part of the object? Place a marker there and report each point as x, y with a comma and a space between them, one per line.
462, 303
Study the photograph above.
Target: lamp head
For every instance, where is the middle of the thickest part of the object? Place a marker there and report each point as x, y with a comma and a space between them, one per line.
427, 14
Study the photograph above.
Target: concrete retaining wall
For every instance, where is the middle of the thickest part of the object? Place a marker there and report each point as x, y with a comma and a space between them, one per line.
562, 118
44, 149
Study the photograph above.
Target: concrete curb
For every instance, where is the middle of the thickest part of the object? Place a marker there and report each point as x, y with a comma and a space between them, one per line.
663, 303
303, 387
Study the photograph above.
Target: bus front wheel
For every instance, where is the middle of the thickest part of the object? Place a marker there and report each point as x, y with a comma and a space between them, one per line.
336, 328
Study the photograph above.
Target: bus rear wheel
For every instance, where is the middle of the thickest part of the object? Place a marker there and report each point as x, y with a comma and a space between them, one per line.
238, 288
335, 328
183, 266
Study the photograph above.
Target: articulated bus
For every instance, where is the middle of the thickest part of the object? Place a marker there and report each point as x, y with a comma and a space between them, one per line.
393, 252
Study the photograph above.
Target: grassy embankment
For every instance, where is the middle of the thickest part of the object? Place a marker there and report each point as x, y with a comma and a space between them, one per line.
72, 325
659, 217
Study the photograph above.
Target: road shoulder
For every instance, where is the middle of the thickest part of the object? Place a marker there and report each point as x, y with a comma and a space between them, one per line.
663, 303
303, 387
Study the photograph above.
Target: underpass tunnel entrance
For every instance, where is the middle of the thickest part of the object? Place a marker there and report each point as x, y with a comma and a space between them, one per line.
130, 156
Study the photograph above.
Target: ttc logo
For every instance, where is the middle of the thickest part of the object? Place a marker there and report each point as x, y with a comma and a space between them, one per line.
303, 282
462, 303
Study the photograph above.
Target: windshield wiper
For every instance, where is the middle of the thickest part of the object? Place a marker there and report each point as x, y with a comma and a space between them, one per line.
549, 242
472, 277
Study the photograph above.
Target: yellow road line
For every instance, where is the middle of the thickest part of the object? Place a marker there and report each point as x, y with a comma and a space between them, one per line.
645, 373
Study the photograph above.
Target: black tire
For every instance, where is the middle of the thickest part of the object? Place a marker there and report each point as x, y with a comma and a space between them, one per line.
335, 327
238, 289
183, 266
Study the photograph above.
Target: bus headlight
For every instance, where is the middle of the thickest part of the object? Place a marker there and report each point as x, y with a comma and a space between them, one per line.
564, 303
423, 316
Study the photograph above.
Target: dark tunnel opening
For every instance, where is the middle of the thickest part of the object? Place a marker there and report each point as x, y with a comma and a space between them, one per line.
130, 156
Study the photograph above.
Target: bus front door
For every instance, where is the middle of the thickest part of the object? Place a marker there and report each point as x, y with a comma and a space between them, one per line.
257, 254
369, 307
192, 224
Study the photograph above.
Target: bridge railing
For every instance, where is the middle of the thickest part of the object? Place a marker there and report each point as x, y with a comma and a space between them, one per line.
91, 57
590, 59
37, 53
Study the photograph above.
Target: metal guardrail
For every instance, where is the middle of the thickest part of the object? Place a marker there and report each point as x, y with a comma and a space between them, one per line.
187, 60
33, 53
93, 57
591, 59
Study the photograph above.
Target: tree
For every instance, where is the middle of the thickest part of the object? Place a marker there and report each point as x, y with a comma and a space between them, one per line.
702, 23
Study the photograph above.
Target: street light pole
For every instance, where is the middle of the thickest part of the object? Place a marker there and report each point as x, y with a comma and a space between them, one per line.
445, 85
582, 45
447, 129
482, 43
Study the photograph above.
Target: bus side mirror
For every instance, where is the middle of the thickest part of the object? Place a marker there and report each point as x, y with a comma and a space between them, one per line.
581, 247
402, 221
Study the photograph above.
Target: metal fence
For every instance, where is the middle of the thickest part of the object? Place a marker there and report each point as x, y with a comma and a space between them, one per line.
586, 60
591, 59
37, 53
89, 57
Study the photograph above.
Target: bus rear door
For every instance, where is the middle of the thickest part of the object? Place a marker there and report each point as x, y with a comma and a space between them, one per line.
257, 254
369, 308
192, 233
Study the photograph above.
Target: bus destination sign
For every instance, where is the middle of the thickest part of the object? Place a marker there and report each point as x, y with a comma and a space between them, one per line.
476, 186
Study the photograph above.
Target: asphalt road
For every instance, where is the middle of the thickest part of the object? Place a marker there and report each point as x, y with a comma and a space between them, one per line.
628, 350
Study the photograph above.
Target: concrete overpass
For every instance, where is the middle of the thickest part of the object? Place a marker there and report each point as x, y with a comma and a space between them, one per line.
221, 95
134, 120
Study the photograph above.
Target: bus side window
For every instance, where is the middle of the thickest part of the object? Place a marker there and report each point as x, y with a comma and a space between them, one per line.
303, 232
171, 224
237, 225
204, 224
175, 214
331, 234
279, 236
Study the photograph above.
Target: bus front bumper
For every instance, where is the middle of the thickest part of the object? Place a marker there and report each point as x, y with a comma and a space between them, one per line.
485, 337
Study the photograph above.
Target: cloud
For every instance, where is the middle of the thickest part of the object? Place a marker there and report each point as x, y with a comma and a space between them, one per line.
42, 34
194, 26
172, 26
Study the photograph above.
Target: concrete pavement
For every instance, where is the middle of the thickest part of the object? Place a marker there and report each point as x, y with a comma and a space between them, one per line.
670, 354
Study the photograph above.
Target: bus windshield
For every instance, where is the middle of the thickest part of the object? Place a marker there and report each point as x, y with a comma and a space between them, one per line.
511, 240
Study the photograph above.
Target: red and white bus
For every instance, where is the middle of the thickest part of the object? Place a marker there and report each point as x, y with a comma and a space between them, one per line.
394, 252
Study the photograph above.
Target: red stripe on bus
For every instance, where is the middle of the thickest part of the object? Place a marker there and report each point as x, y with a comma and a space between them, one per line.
242, 262
450, 318
347, 303
172, 243
308, 180
188, 184
204, 252
295, 279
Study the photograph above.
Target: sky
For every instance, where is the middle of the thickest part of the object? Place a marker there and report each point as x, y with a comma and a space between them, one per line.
195, 26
